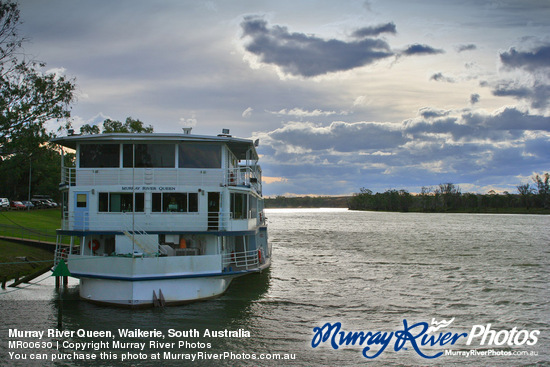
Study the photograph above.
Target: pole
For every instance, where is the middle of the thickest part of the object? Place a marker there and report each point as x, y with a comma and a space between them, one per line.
30, 176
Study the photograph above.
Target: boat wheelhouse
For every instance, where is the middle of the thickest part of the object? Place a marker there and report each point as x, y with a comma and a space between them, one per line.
173, 217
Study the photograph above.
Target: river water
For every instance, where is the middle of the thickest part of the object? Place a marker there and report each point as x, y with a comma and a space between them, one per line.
369, 271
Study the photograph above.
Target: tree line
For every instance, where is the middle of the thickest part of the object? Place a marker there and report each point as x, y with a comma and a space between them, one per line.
447, 197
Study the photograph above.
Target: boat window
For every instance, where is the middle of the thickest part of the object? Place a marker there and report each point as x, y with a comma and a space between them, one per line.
239, 207
200, 155
99, 156
113, 202
253, 206
149, 155
175, 202
81, 200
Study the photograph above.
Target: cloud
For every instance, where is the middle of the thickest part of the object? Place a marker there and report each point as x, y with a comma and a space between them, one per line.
531, 80
474, 98
338, 136
439, 77
418, 49
248, 112
436, 146
188, 122
304, 55
469, 47
429, 113
298, 112
375, 31
529, 60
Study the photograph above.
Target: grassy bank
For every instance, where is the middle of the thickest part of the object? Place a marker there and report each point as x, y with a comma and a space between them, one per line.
33, 224
11, 264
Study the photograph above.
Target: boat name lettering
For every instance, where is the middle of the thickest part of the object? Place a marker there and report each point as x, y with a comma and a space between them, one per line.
148, 188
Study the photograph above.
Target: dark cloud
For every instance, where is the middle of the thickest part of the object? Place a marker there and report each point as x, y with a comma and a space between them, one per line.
418, 49
439, 77
305, 55
537, 94
437, 146
530, 60
375, 31
474, 98
429, 113
339, 136
535, 89
462, 48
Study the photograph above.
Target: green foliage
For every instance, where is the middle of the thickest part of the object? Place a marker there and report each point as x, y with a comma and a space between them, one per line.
543, 189
28, 97
113, 126
448, 197
42, 167
307, 202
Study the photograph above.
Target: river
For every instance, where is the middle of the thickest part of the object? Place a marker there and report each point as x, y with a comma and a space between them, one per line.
390, 274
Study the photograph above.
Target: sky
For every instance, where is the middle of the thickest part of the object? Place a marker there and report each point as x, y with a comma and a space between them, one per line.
343, 95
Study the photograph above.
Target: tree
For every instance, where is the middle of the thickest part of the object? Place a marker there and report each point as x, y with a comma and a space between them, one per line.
113, 126
543, 189
28, 97
450, 193
525, 192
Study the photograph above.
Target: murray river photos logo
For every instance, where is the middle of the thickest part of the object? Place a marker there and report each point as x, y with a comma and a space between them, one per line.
422, 337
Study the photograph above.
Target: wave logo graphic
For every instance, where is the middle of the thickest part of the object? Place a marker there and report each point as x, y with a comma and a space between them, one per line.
439, 325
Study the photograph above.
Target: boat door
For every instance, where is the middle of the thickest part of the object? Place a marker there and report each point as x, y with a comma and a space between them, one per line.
213, 210
81, 210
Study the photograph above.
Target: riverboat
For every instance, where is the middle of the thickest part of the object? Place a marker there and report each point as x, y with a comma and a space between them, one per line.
161, 218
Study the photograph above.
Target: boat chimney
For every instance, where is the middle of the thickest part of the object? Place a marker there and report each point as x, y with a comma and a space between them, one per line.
187, 130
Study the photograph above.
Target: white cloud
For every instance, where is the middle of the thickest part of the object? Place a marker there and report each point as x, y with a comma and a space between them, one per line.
248, 112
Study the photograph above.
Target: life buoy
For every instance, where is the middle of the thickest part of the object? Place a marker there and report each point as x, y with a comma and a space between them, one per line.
232, 178
93, 245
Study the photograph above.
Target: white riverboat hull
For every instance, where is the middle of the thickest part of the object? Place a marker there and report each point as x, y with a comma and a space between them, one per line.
140, 293
136, 282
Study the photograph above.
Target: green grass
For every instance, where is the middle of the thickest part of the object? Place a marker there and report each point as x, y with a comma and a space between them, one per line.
33, 224
10, 266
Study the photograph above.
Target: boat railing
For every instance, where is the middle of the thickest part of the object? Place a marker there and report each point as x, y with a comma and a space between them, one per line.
243, 176
62, 251
71, 176
246, 176
241, 260
212, 221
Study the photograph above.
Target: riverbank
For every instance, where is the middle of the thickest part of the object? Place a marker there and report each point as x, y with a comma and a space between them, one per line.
19, 259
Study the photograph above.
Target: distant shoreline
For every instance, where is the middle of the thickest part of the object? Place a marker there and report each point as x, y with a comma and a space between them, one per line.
303, 202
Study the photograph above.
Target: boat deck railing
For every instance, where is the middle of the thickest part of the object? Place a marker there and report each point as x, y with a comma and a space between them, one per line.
212, 221
245, 176
241, 260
